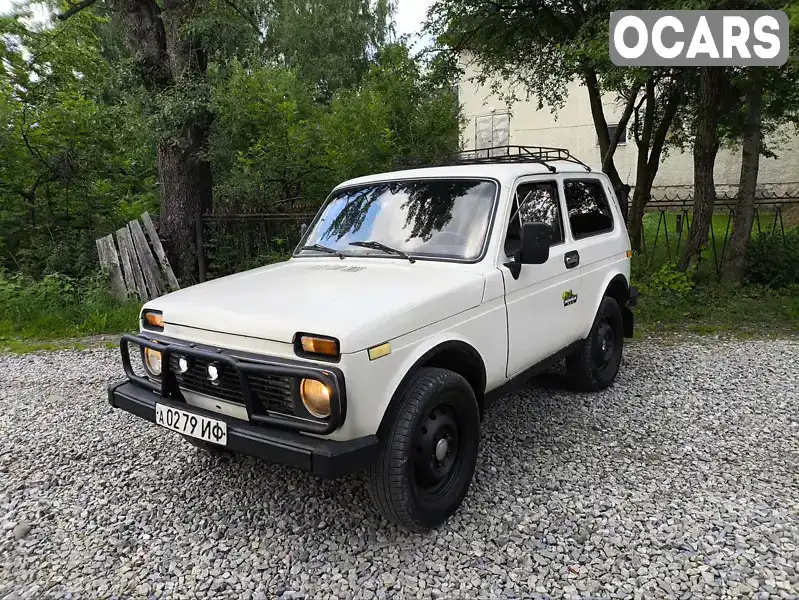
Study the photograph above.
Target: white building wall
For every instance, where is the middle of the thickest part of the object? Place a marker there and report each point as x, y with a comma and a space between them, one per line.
572, 127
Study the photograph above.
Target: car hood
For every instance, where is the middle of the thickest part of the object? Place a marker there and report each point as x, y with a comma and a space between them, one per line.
361, 302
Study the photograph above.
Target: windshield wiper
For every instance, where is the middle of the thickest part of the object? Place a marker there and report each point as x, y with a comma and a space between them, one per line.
381, 246
321, 248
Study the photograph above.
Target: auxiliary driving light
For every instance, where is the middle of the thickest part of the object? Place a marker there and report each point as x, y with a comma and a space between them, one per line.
152, 362
213, 373
316, 397
183, 364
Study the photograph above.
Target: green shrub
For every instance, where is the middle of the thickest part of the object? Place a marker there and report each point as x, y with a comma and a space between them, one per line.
773, 259
59, 306
667, 279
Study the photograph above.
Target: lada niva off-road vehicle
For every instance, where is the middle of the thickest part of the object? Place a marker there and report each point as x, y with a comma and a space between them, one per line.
413, 299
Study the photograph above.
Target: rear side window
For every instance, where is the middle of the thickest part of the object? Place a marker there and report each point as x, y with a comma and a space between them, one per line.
588, 207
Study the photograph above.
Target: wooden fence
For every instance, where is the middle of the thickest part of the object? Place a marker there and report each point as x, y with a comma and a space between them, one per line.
136, 267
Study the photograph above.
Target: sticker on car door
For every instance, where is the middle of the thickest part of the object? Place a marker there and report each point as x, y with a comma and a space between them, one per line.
569, 298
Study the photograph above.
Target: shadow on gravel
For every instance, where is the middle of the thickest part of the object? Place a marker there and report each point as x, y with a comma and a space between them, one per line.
541, 413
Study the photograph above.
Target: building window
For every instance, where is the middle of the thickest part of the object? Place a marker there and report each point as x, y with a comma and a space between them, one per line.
612, 131
491, 131
622, 138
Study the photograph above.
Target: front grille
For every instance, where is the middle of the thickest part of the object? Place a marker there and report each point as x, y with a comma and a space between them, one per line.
270, 392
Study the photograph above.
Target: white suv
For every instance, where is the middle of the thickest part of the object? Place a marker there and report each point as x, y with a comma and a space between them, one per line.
414, 299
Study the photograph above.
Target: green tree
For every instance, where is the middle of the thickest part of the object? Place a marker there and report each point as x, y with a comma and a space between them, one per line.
267, 143
330, 44
396, 112
769, 98
72, 157
540, 47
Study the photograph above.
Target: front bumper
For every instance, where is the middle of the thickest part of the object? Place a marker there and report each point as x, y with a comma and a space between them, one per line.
322, 457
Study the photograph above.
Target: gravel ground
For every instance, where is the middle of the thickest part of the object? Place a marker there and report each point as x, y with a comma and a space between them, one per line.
681, 481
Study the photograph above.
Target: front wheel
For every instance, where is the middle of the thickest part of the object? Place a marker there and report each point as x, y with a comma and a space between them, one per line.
427, 455
595, 364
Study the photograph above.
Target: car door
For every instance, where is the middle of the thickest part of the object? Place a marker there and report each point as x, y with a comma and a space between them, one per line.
539, 303
597, 229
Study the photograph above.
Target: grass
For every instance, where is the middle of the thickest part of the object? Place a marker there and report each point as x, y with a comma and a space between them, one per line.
57, 313
701, 305
665, 236
715, 309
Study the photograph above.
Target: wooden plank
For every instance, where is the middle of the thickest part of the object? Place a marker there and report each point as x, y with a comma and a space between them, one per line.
126, 249
159, 252
109, 262
155, 284
127, 272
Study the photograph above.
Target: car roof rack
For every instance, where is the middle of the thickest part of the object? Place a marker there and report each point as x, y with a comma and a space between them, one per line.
542, 155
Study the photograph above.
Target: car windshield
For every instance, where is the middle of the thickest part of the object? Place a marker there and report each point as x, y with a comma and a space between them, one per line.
436, 218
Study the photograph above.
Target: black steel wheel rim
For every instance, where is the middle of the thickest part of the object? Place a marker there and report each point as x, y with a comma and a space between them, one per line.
605, 343
437, 451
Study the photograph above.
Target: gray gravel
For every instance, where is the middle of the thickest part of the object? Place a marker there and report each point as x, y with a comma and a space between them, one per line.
681, 481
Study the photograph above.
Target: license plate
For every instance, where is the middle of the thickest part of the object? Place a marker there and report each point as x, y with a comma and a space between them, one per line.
197, 426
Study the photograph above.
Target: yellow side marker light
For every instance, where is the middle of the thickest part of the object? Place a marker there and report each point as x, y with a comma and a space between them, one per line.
379, 351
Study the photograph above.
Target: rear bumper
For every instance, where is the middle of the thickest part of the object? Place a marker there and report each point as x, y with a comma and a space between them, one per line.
322, 457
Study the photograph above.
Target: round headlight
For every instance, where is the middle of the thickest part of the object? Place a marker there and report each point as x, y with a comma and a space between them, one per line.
316, 397
152, 362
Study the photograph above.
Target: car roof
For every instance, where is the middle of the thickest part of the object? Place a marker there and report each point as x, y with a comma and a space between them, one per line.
505, 173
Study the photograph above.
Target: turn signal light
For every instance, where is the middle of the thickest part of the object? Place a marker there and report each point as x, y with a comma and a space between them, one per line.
154, 319
312, 344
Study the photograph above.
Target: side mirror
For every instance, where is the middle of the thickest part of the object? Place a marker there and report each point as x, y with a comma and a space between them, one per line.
535, 244
534, 248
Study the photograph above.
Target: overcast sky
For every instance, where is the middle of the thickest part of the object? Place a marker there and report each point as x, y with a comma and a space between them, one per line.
409, 16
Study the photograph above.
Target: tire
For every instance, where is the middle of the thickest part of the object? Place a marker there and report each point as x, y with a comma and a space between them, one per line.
428, 452
594, 366
208, 447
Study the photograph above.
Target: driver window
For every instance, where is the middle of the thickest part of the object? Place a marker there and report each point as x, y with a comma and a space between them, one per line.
534, 201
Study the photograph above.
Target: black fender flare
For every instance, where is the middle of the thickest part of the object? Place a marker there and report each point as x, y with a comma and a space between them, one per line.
473, 370
620, 290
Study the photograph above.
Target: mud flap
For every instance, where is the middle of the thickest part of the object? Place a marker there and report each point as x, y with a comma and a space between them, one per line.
628, 319
627, 316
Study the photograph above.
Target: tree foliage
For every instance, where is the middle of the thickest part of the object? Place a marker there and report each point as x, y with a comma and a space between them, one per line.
75, 161
536, 48
294, 99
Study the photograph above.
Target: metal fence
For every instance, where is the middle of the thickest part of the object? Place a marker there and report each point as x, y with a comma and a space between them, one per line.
236, 242
669, 215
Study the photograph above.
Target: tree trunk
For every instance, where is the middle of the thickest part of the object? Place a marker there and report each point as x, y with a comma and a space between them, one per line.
641, 194
185, 180
735, 260
706, 146
165, 60
649, 151
601, 127
636, 222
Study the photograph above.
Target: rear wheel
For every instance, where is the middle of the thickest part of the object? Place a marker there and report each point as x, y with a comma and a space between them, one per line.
594, 365
427, 455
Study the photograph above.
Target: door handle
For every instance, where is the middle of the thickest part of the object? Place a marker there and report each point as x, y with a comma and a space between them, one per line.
572, 259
